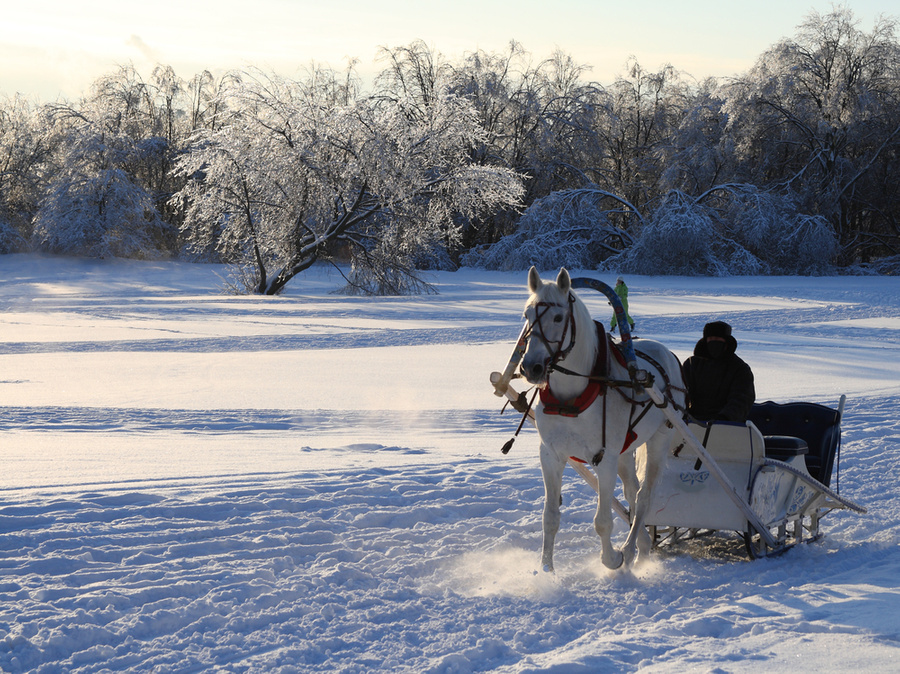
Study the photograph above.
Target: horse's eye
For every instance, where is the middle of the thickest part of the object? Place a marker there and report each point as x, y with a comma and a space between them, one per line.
557, 319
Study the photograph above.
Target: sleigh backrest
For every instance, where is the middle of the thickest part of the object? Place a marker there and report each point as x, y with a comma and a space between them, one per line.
819, 426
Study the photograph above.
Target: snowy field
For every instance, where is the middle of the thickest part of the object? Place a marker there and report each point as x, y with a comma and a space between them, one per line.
193, 482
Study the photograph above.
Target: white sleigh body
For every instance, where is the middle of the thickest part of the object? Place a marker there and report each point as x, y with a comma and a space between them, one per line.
773, 501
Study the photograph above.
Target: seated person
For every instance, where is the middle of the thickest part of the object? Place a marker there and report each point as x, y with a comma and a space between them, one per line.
719, 384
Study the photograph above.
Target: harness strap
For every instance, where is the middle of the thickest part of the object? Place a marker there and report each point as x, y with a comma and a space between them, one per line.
631, 435
596, 383
668, 397
597, 386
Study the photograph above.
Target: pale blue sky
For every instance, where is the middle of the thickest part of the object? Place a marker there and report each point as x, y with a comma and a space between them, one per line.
53, 47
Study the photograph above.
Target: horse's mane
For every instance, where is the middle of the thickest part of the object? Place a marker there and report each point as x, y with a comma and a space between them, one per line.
582, 313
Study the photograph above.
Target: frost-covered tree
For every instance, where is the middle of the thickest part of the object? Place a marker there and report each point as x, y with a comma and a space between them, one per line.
729, 230
770, 225
151, 115
24, 150
682, 239
302, 169
819, 114
94, 205
572, 228
699, 152
110, 182
540, 120
643, 110
415, 74
492, 83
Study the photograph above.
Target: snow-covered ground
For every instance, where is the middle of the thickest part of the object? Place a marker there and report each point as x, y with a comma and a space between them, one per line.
193, 481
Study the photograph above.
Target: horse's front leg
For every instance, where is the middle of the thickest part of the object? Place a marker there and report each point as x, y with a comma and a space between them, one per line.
552, 470
651, 467
603, 521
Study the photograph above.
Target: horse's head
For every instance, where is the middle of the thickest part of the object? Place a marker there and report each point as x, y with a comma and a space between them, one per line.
549, 312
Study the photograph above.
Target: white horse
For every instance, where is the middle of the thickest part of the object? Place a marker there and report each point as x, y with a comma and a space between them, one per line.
589, 411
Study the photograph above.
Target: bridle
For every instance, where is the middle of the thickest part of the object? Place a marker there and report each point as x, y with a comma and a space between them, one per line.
536, 329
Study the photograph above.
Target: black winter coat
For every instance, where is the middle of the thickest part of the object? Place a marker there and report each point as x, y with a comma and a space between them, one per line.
718, 388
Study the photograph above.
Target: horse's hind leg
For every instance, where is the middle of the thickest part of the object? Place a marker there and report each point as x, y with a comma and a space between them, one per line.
652, 465
603, 522
637, 462
628, 474
552, 471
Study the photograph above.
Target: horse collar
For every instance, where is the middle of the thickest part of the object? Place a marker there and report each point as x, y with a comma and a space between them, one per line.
573, 407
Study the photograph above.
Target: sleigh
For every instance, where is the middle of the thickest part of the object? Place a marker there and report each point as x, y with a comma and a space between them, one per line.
768, 479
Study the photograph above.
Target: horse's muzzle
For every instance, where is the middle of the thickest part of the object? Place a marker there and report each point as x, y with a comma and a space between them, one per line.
535, 370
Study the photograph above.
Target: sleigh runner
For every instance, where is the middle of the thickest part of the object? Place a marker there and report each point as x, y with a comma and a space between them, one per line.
767, 479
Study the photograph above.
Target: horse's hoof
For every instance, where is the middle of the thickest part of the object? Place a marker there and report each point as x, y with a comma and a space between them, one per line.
616, 562
644, 546
548, 568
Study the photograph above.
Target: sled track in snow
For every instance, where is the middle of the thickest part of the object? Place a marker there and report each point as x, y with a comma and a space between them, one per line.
351, 339
318, 422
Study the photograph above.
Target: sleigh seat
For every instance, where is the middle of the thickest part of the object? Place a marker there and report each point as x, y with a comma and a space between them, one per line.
792, 429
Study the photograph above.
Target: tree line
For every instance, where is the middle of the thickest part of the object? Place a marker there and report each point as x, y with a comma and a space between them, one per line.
496, 159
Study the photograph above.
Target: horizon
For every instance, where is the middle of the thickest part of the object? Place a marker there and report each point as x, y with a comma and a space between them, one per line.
54, 50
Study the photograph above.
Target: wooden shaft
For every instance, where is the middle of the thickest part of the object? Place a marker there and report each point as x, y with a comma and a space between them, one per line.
502, 383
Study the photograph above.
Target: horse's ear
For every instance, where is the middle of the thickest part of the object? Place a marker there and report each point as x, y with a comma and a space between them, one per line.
563, 280
534, 280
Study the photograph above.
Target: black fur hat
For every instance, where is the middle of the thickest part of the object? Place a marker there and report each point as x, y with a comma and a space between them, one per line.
717, 329
720, 329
